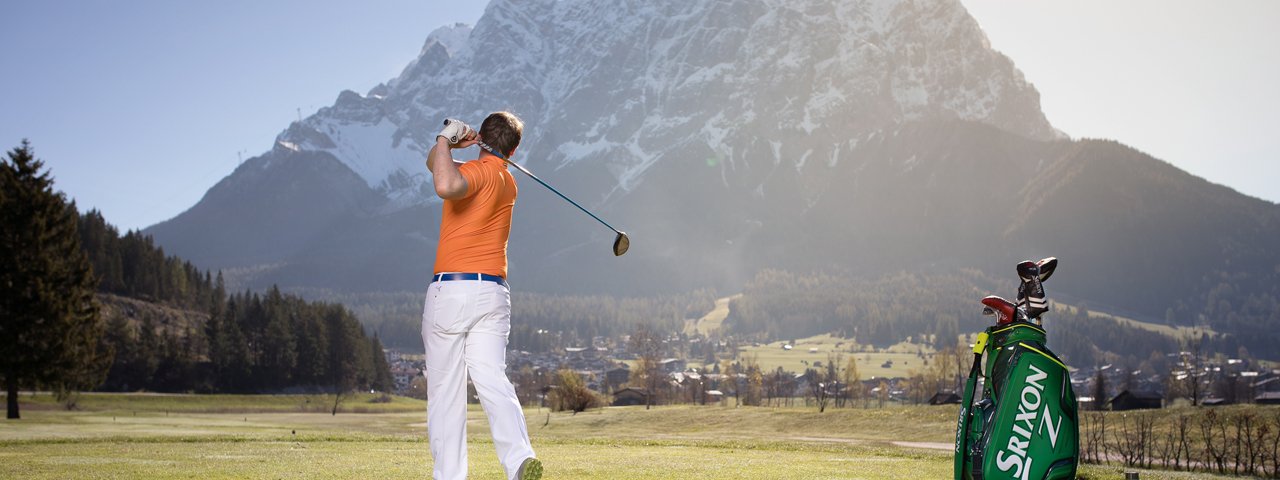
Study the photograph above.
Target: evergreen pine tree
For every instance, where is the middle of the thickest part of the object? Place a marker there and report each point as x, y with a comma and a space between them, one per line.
119, 338
49, 325
313, 347
280, 351
382, 380
344, 362
228, 352
149, 349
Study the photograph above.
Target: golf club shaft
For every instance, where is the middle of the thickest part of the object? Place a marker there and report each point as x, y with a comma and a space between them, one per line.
557, 192
549, 187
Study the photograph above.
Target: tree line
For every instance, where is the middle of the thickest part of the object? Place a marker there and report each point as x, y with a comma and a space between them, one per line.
539, 322
131, 265
247, 343
83, 307
1245, 304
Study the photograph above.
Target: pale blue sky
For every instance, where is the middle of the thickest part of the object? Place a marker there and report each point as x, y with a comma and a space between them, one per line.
141, 106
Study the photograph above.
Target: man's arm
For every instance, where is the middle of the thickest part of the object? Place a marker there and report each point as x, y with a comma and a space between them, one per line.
448, 181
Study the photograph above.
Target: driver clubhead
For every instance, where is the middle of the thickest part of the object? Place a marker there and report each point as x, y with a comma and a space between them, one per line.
1047, 266
1028, 271
1044, 268
621, 244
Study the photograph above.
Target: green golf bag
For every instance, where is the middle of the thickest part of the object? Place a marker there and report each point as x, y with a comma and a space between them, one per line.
1025, 424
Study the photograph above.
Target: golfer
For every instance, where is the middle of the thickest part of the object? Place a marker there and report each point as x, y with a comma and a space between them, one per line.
467, 316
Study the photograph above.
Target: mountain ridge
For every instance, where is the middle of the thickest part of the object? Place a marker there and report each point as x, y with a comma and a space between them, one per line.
727, 138
571, 64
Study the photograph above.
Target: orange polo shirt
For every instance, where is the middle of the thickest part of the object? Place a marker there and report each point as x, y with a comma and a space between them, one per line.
474, 228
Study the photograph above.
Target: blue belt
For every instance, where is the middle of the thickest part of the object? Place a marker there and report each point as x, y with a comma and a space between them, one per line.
446, 277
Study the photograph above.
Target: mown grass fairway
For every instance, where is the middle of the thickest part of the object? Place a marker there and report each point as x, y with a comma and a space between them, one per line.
670, 442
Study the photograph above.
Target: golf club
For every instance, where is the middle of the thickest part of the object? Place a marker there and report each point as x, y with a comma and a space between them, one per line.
620, 243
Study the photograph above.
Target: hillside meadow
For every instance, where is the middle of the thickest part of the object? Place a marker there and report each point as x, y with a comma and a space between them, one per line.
225, 436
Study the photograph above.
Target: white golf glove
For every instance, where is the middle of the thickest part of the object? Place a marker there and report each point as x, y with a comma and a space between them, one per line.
455, 131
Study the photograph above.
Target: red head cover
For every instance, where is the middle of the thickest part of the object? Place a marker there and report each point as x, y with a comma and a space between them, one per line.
1003, 308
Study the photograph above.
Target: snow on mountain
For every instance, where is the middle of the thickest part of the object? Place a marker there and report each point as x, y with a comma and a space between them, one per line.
453, 38
625, 84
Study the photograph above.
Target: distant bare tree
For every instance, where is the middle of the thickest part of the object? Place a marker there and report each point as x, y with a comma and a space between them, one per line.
1163, 448
1184, 441
647, 347
941, 373
834, 362
1275, 444
1095, 434
1238, 450
1213, 432
1249, 452
1133, 439
818, 387
778, 385
789, 387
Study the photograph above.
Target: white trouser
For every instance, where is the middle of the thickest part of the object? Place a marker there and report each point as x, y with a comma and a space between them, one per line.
465, 325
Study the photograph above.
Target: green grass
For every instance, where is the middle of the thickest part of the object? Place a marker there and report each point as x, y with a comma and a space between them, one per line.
394, 459
903, 356
669, 442
409, 459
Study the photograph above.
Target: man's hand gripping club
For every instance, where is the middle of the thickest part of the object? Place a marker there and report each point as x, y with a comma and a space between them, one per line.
449, 182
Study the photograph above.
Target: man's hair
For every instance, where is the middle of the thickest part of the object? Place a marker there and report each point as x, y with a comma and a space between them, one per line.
502, 131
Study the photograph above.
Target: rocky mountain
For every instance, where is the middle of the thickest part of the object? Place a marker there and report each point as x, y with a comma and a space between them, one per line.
726, 137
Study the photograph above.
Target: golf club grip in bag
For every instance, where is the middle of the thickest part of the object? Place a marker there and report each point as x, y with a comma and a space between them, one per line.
1025, 425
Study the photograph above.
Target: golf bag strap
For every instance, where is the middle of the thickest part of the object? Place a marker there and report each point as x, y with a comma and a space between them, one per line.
981, 344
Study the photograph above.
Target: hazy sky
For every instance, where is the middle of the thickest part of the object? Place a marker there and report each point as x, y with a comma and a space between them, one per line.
1190, 82
141, 106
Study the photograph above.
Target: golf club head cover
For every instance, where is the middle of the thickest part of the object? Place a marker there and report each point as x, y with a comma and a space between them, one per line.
1005, 311
1047, 266
454, 131
1031, 296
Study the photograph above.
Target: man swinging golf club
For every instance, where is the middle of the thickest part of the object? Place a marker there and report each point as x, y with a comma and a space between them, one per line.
467, 316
